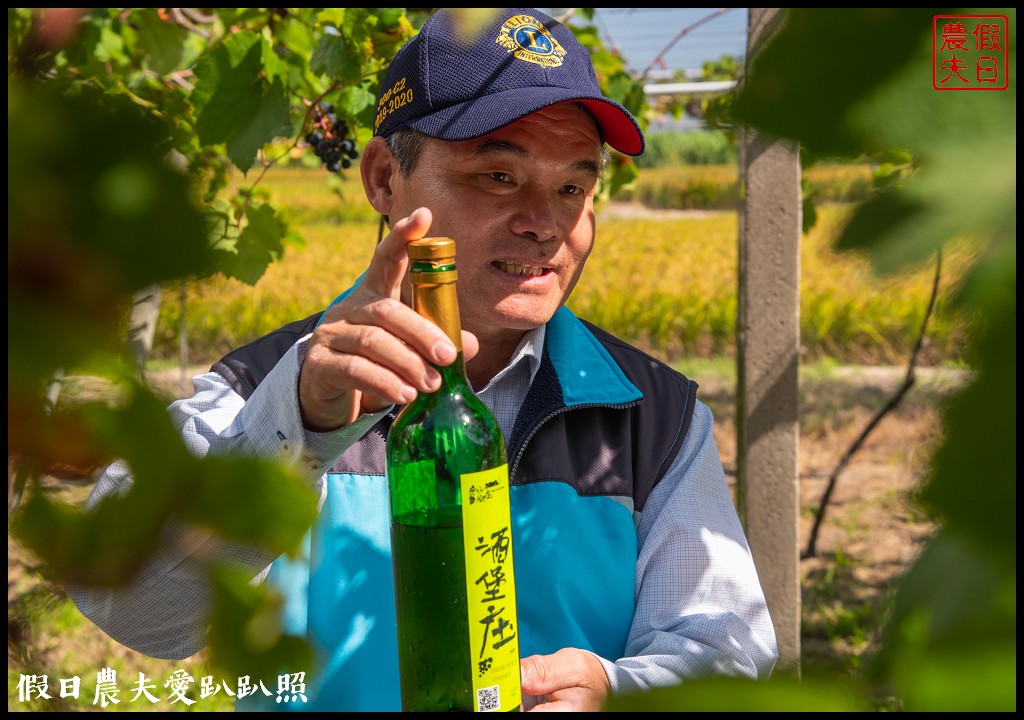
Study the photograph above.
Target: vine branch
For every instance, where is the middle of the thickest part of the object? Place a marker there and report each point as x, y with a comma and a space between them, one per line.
893, 402
682, 33
267, 164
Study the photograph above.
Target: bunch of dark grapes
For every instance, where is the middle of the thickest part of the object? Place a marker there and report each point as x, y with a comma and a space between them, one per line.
327, 138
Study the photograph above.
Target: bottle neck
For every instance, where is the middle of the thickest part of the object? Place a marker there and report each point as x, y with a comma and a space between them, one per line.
434, 297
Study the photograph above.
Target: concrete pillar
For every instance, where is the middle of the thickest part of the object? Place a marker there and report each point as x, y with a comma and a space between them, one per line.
768, 341
142, 327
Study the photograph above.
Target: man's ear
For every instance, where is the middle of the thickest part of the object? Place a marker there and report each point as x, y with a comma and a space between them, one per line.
376, 167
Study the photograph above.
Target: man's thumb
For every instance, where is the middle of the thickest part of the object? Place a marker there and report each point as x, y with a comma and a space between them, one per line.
537, 674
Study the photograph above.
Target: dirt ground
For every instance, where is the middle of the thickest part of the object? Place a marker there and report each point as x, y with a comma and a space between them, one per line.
871, 532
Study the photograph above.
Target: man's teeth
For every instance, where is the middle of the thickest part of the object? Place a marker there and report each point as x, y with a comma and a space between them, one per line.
517, 269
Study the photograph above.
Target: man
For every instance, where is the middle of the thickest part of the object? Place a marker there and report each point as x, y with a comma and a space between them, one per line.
632, 568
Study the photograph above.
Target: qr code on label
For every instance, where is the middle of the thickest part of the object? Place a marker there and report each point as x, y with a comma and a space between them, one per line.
488, 698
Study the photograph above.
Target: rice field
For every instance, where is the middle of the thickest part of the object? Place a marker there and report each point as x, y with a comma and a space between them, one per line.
665, 282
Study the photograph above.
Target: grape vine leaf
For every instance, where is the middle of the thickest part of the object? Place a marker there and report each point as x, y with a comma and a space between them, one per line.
258, 245
234, 102
106, 546
333, 58
162, 42
246, 637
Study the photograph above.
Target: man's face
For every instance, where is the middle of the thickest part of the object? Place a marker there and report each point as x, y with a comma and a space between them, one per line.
519, 204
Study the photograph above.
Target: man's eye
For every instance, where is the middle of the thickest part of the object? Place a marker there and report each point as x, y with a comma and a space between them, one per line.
573, 190
501, 177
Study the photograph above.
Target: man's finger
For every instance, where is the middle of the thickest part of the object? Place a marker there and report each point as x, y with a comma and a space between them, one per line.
390, 259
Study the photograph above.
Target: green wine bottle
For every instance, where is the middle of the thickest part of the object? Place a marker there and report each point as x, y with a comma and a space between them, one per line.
451, 528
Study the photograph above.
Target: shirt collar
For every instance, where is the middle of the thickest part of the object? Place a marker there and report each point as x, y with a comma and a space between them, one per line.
529, 351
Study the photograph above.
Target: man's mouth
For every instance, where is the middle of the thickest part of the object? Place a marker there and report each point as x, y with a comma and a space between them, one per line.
517, 269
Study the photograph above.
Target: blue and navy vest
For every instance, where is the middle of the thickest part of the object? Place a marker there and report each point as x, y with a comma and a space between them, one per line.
600, 426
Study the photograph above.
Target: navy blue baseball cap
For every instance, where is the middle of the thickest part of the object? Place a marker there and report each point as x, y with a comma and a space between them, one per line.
468, 73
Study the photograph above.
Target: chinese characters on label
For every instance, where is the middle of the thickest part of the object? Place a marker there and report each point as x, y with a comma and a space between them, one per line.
491, 589
491, 582
291, 687
969, 52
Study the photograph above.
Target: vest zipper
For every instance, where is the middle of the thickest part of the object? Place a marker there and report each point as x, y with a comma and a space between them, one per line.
559, 411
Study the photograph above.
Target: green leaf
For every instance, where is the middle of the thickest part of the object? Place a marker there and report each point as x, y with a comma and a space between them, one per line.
981, 444
99, 550
809, 213
108, 544
354, 99
111, 46
389, 18
335, 58
94, 214
225, 79
234, 103
885, 225
782, 93
295, 35
589, 36
964, 147
259, 244
782, 693
270, 119
961, 681
81, 50
624, 172
278, 506
275, 69
237, 498
389, 28
333, 18
953, 623
162, 42
245, 635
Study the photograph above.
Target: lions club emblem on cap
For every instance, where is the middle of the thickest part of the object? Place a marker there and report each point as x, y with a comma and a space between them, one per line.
527, 39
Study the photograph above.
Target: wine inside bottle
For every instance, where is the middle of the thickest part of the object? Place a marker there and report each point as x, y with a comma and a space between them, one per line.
451, 528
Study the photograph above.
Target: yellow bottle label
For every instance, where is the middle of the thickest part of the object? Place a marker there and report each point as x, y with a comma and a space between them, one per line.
491, 590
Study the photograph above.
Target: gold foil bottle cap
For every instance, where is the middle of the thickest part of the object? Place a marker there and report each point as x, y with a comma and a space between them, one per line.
432, 248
